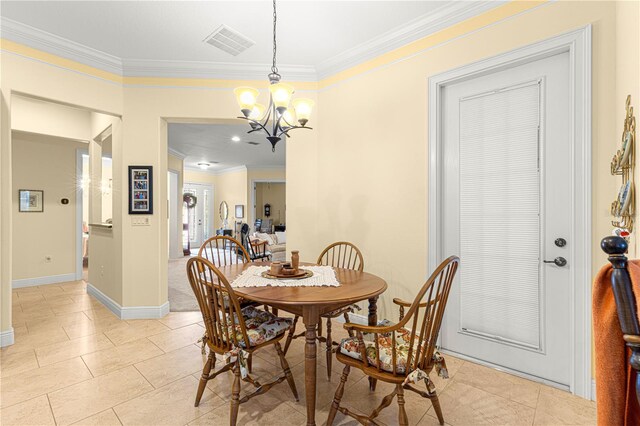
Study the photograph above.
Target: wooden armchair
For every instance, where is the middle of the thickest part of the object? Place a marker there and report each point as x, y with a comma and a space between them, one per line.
339, 255
255, 251
234, 333
616, 247
223, 250
396, 354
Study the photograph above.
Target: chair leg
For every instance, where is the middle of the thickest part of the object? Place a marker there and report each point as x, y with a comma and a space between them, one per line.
292, 331
338, 396
436, 406
235, 395
346, 319
319, 330
287, 371
250, 363
211, 362
402, 413
329, 343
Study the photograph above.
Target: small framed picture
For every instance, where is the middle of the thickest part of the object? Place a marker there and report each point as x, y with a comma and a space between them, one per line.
239, 211
140, 189
31, 200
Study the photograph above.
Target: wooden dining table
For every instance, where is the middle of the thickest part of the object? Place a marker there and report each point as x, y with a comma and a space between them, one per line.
310, 303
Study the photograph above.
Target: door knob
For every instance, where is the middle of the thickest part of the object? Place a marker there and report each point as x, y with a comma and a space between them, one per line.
558, 261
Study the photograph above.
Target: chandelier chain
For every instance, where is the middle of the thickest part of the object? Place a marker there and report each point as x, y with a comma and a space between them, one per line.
274, 68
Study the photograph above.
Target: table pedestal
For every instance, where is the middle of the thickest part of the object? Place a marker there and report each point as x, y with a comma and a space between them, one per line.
311, 319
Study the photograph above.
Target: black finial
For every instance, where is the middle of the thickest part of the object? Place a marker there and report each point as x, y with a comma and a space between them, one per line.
614, 245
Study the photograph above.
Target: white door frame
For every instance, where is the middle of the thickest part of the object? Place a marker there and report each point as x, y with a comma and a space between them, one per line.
79, 210
578, 44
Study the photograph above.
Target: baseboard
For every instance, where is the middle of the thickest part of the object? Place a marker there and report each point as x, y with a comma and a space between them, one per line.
593, 389
145, 312
51, 279
128, 312
6, 338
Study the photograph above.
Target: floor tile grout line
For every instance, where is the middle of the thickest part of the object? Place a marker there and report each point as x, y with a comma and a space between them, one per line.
56, 390
85, 364
145, 378
116, 414
51, 408
154, 344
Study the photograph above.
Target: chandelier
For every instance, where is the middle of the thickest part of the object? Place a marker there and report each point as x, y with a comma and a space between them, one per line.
278, 118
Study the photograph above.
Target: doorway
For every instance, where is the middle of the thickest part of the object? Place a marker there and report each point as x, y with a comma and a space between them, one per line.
269, 213
509, 192
199, 219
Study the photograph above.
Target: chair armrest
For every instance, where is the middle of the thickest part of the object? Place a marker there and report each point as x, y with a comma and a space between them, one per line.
406, 304
373, 328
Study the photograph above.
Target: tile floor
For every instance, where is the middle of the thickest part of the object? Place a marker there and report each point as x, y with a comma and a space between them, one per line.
74, 362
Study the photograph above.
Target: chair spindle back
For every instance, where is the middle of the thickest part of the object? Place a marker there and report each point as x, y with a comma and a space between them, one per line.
219, 305
342, 254
423, 322
223, 250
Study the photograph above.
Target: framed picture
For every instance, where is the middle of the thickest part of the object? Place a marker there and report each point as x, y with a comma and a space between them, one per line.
239, 211
31, 200
140, 189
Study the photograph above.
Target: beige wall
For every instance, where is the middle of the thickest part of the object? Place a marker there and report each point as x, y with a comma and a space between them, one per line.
46, 118
20, 74
105, 253
273, 194
627, 82
256, 175
386, 195
48, 164
228, 186
365, 183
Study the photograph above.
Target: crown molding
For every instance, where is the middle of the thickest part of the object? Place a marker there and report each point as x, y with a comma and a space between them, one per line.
447, 15
59, 46
177, 153
252, 168
216, 172
215, 70
423, 26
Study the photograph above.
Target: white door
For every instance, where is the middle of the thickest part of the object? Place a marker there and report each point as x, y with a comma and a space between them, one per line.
199, 218
507, 192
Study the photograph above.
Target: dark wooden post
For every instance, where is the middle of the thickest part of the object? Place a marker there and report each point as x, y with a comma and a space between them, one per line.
616, 247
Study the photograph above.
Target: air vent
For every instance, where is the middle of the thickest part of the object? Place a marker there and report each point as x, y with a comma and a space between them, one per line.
253, 143
229, 40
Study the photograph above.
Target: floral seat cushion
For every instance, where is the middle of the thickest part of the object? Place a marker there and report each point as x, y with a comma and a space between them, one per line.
261, 326
351, 347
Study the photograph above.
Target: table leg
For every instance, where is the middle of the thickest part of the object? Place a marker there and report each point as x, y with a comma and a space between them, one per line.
310, 319
373, 320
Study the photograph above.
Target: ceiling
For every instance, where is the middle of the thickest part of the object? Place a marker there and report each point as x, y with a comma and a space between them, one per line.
212, 142
166, 39
314, 37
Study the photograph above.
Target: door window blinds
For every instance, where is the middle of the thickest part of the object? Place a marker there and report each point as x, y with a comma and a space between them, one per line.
500, 215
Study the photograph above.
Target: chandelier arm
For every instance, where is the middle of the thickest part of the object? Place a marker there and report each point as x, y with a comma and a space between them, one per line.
257, 123
292, 128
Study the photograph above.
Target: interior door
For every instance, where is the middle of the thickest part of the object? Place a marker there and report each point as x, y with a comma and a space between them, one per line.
507, 211
200, 218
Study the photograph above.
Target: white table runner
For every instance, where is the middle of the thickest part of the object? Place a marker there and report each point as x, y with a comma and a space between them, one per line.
323, 276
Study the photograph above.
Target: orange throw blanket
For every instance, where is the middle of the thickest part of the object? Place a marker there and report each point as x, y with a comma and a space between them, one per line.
615, 379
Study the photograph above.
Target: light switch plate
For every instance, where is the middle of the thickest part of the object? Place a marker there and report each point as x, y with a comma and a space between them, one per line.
140, 221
